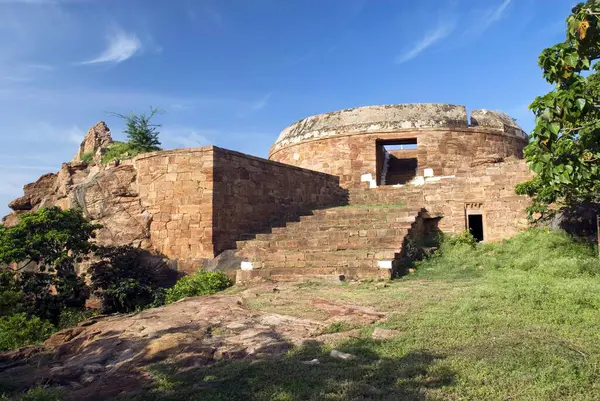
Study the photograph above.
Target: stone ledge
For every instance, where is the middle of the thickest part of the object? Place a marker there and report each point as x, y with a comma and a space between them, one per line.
391, 118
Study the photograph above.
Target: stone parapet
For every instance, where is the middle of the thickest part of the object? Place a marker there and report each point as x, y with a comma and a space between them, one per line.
392, 118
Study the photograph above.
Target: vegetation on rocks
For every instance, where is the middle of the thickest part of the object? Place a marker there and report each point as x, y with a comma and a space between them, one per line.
199, 283
142, 137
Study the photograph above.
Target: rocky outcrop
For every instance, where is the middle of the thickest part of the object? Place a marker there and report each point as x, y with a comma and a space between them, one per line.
107, 356
107, 194
97, 138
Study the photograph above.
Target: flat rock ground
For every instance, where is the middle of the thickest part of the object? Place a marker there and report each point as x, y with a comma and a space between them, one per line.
408, 339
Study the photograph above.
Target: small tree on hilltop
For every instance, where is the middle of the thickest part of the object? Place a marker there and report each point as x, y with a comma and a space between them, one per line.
564, 150
141, 133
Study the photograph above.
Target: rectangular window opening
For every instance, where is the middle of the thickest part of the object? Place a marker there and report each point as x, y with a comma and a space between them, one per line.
397, 161
475, 226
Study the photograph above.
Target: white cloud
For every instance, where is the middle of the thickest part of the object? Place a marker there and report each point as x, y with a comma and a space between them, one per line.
257, 105
487, 18
121, 46
443, 30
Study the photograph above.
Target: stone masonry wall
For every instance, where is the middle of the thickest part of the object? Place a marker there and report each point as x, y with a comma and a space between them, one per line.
202, 200
251, 194
176, 188
489, 191
447, 151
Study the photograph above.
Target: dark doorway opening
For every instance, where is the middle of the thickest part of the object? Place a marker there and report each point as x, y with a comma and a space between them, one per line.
475, 224
397, 161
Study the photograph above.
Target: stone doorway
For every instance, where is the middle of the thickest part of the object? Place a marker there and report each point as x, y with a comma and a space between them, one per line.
475, 220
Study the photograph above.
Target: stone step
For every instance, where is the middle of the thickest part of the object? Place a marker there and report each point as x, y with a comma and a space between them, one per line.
376, 212
316, 238
294, 274
313, 256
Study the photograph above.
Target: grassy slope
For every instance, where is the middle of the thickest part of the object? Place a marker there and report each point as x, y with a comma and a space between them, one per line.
513, 321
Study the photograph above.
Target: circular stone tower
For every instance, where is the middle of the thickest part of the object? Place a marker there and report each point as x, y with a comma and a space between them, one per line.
396, 143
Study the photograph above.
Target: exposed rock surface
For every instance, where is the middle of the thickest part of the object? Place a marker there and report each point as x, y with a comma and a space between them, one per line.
106, 356
107, 194
97, 138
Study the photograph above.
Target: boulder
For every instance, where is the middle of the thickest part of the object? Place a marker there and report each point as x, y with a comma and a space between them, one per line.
97, 138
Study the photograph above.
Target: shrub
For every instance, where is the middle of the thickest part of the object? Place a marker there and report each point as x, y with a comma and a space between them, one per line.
70, 317
19, 330
125, 279
120, 151
87, 157
200, 283
464, 238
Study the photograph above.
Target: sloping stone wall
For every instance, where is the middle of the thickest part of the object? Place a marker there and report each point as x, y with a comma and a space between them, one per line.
251, 194
202, 200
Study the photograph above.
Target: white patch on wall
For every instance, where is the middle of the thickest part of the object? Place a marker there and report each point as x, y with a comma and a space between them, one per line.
418, 180
384, 264
372, 184
428, 172
439, 178
296, 156
366, 177
247, 266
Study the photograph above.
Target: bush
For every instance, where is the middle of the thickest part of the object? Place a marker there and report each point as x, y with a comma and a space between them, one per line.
464, 238
125, 280
71, 317
87, 157
200, 283
19, 330
120, 151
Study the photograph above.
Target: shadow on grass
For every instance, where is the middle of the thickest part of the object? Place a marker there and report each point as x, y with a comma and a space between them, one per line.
290, 377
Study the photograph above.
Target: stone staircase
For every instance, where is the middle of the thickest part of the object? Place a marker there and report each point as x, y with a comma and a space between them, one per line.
352, 241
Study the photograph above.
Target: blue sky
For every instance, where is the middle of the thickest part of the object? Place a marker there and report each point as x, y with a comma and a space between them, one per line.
235, 72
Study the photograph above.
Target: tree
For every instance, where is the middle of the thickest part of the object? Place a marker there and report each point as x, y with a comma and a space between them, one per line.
50, 238
141, 133
46, 245
564, 150
126, 279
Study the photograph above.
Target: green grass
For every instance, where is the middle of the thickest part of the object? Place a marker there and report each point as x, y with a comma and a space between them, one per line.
517, 320
120, 151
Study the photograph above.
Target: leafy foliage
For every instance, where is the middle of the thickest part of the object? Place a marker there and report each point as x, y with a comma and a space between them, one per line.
124, 280
142, 137
45, 244
51, 238
463, 238
564, 150
120, 151
18, 330
200, 283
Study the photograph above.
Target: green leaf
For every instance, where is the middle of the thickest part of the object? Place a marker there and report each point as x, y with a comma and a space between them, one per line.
537, 167
580, 103
572, 59
554, 128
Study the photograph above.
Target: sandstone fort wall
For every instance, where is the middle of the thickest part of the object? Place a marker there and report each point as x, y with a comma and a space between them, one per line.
202, 200
348, 143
